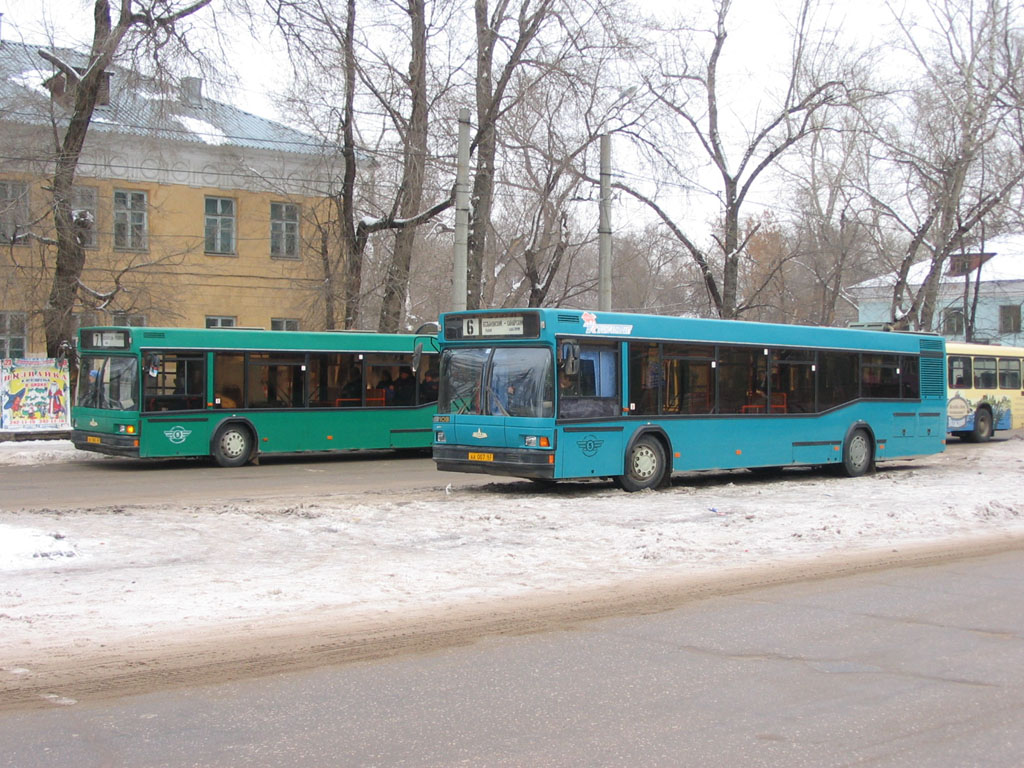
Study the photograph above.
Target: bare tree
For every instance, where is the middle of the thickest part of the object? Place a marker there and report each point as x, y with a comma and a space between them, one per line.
139, 28
956, 141
515, 29
834, 239
327, 58
738, 143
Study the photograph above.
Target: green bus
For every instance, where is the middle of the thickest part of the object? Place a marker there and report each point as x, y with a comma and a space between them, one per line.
235, 394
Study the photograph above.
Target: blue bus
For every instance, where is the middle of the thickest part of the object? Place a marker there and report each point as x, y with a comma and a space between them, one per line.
552, 394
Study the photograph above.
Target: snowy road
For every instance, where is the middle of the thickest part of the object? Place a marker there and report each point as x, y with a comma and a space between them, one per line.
96, 592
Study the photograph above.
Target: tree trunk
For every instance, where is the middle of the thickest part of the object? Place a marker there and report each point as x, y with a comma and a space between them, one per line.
396, 282
59, 310
353, 253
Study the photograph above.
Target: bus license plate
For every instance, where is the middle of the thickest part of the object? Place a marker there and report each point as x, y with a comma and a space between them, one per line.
94, 440
481, 457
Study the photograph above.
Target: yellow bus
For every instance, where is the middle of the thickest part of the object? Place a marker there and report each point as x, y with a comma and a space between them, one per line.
986, 392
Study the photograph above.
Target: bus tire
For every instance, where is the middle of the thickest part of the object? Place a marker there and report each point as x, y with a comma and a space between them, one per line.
232, 445
858, 453
645, 465
982, 431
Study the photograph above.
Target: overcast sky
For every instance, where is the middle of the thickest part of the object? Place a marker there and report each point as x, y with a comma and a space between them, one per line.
760, 29
755, 25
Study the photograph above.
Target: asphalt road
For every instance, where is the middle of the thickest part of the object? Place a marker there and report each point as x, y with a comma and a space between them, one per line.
92, 481
88, 482
912, 666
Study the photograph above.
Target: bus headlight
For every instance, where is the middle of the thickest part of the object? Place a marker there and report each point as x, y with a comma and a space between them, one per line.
439, 436
535, 441
126, 429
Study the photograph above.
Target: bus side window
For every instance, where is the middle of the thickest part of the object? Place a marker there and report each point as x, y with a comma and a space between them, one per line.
1009, 374
959, 371
985, 373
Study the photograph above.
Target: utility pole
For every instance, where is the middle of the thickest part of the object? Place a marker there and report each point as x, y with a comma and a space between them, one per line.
461, 216
604, 228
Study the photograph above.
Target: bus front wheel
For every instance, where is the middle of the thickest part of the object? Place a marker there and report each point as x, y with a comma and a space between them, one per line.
858, 456
645, 466
982, 431
232, 445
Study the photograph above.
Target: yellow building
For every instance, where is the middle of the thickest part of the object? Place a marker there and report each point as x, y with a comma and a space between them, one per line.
192, 212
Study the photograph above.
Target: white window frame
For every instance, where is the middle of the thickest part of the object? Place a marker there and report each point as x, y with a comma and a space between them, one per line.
14, 212
219, 228
19, 332
120, 317
221, 321
131, 220
84, 204
284, 324
284, 231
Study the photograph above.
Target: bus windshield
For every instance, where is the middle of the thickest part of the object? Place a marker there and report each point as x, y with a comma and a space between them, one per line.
504, 381
108, 382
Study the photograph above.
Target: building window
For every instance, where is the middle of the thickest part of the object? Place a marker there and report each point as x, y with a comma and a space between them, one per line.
219, 321
13, 327
125, 318
81, 320
13, 212
130, 226
283, 324
1009, 318
83, 212
953, 322
284, 231
220, 225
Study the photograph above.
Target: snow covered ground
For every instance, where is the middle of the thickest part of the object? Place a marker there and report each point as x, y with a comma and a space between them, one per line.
86, 579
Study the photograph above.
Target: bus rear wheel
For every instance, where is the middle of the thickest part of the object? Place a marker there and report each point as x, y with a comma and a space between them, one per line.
982, 431
858, 455
232, 445
645, 466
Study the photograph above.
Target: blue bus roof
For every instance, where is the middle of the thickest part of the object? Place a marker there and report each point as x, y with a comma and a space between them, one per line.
625, 326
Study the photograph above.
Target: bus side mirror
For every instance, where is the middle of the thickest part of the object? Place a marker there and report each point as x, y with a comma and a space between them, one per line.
571, 358
153, 364
417, 357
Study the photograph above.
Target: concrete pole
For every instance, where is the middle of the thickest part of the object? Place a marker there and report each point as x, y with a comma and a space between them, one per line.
461, 216
604, 228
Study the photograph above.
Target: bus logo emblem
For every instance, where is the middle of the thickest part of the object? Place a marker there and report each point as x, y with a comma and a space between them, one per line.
590, 445
177, 435
957, 410
479, 434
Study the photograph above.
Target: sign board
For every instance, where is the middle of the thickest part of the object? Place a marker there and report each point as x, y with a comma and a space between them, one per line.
34, 395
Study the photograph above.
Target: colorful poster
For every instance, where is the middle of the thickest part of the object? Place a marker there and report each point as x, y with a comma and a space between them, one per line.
35, 395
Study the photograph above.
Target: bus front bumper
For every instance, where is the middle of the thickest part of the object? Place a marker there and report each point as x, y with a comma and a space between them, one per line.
112, 445
512, 462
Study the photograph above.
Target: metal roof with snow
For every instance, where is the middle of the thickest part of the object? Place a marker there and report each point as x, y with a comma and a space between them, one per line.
1007, 265
136, 107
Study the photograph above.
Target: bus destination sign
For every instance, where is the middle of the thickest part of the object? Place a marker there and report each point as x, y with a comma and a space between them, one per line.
105, 339
518, 325
492, 326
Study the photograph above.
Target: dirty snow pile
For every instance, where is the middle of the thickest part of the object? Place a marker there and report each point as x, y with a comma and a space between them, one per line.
88, 577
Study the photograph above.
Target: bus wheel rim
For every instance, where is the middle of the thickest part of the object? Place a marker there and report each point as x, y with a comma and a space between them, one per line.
858, 451
232, 444
645, 463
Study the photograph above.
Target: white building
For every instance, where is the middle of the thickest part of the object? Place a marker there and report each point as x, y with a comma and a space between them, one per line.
986, 286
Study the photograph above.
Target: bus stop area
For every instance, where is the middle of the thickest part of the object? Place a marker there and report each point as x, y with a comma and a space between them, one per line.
146, 578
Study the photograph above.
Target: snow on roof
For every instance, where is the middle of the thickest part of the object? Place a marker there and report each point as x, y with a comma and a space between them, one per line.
140, 109
1007, 265
208, 132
